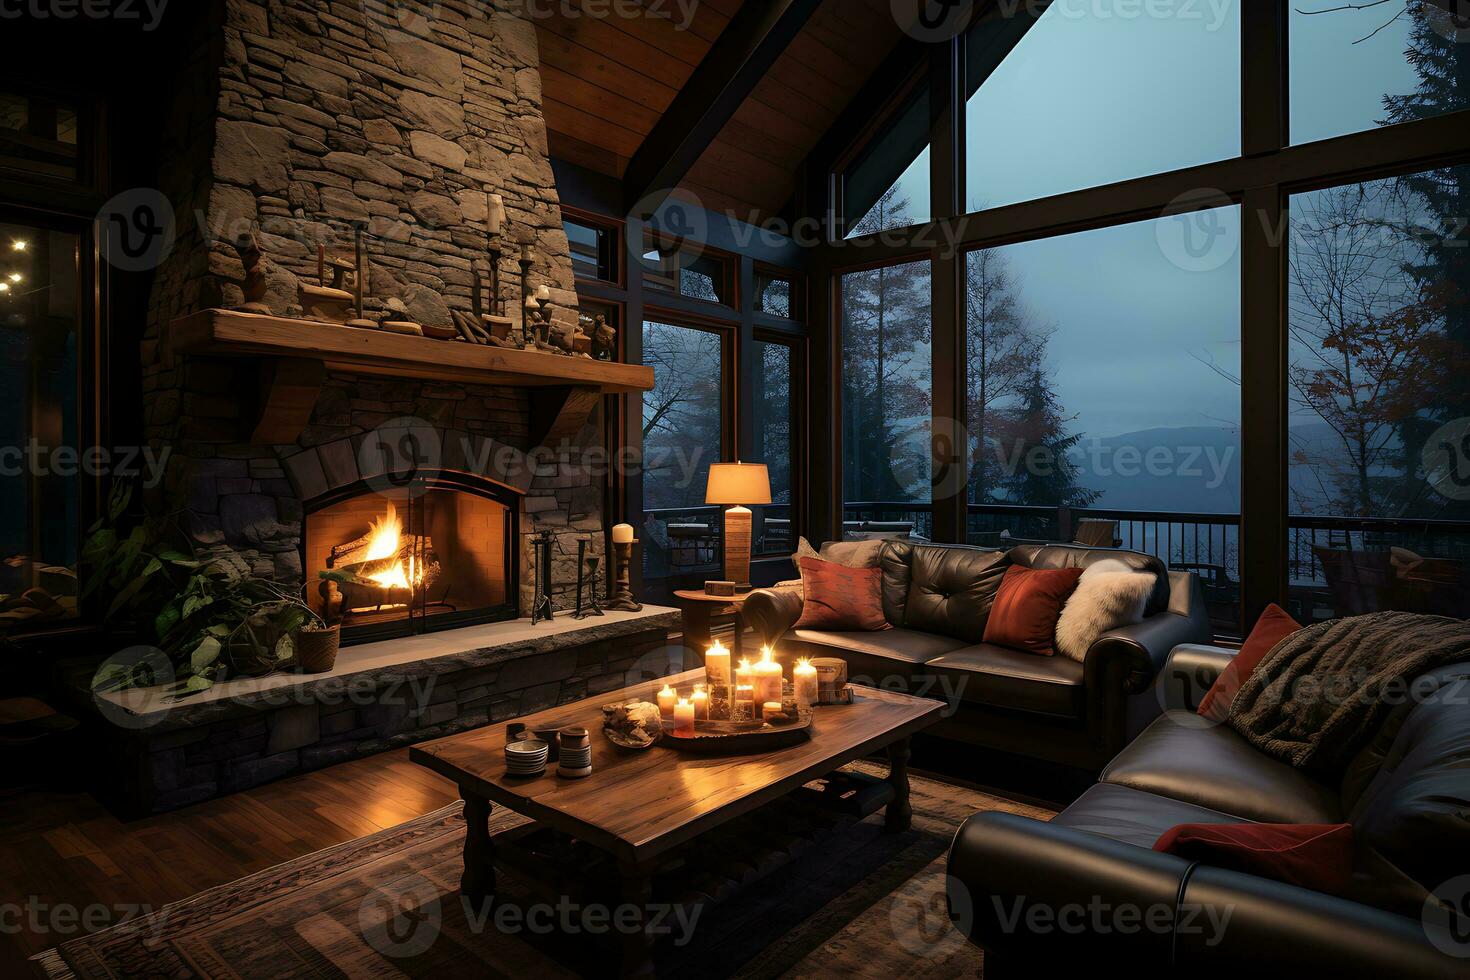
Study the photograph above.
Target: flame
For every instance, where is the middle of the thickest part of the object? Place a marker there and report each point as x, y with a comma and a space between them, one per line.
387, 538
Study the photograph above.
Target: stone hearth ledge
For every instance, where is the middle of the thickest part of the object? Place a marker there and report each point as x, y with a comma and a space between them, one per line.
372, 666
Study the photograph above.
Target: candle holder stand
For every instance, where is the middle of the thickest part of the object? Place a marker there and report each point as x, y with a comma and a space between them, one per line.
622, 597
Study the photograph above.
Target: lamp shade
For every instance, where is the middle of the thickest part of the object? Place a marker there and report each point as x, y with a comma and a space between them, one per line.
732, 484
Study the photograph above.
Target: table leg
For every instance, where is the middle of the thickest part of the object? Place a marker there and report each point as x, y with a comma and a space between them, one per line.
899, 814
695, 624
477, 883
636, 892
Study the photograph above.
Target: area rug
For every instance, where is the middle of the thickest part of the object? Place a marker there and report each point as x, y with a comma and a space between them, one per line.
862, 902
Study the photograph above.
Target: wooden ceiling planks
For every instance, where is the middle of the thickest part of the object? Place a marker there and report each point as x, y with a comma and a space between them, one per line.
608, 79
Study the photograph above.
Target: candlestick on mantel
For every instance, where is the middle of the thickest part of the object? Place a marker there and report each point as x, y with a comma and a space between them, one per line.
684, 717
495, 213
667, 698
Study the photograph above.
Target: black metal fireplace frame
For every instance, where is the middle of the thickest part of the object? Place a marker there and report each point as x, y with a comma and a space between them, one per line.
417, 622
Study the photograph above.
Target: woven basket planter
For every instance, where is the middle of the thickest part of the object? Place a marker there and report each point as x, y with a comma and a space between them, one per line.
316, 649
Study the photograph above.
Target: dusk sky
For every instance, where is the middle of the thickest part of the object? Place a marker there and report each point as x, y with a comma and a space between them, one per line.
1085, 100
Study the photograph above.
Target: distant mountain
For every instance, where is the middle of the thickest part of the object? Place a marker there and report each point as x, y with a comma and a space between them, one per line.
1193, 469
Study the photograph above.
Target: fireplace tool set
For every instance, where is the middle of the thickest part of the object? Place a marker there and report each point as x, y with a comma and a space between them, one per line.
589, 600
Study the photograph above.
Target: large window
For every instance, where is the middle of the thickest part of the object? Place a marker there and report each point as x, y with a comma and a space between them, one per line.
1358, 66
887, 185
1103, 393
687, 272
1095, 93
1379, 307
38, 136
683, 429
39, 426
776, 384
887, 397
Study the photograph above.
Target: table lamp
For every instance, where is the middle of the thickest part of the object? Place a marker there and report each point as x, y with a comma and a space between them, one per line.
737, 486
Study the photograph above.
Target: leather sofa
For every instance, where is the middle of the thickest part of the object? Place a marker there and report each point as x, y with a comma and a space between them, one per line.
1407, 795
937, 599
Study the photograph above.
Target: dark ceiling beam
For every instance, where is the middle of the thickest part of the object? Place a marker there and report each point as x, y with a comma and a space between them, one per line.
737, 61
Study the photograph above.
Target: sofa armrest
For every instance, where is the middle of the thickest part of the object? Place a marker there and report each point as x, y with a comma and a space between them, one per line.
1026, 890
1189, 673
1298, 933
1135, 654
771, 612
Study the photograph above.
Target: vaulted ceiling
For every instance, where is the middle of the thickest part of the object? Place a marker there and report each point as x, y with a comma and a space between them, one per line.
607, 80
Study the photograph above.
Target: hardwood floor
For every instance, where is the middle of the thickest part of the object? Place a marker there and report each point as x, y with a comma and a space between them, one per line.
63, 855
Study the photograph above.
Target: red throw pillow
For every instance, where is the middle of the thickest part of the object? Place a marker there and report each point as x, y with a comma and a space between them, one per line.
1274, 626
1315, 856
841, 598
1027, 607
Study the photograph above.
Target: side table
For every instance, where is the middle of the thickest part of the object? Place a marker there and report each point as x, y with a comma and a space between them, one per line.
699, 608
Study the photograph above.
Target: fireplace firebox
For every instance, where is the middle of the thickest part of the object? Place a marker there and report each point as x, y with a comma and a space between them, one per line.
428, 555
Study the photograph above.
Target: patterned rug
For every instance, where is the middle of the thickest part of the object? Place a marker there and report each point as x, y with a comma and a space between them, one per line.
861, 902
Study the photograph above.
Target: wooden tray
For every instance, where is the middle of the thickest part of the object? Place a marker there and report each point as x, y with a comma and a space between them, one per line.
738, 736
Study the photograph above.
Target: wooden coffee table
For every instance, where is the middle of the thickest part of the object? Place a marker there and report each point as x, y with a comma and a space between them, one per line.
640, 810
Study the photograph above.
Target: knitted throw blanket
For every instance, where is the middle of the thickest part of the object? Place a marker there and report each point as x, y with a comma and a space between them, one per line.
1320, 695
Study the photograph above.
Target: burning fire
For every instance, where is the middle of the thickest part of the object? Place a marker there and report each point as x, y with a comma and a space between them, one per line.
387, 538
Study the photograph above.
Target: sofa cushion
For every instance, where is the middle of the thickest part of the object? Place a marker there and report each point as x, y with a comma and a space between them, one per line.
951, 590
838, 598
1071, 556
1131, 815
1315, 856
1004, 678
1183, 757
874, 658
1274, 626
1028, 606
1109, 595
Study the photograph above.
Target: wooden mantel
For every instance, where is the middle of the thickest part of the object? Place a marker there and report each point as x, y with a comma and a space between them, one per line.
380, 352
294, 356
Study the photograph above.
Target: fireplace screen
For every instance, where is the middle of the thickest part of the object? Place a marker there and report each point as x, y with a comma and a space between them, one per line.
415, 559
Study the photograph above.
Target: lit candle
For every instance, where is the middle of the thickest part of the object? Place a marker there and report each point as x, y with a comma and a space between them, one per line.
804, 679
744, 674
543, 293
744, 702
700, 697
770, 708
623, 534
684, 717
767, 678
717, 665
666, 701
495, 213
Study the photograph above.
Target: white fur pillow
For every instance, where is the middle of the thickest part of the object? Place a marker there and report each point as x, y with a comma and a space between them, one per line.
1109, 595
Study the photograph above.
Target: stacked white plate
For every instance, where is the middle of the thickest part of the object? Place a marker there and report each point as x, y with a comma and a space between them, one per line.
575, 762
526, 758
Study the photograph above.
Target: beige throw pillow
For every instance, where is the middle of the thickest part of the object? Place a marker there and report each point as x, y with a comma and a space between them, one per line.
1109, 595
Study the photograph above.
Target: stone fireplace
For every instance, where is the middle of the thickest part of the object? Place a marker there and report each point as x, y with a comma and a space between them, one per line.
305, 123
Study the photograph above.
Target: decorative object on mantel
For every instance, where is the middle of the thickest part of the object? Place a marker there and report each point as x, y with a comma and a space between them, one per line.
360, 284
604, 339
634, 725
495, 222
541, 607
623, 542
405, 327
738, 485
256, 284
527, 259
586, 574
330, 304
